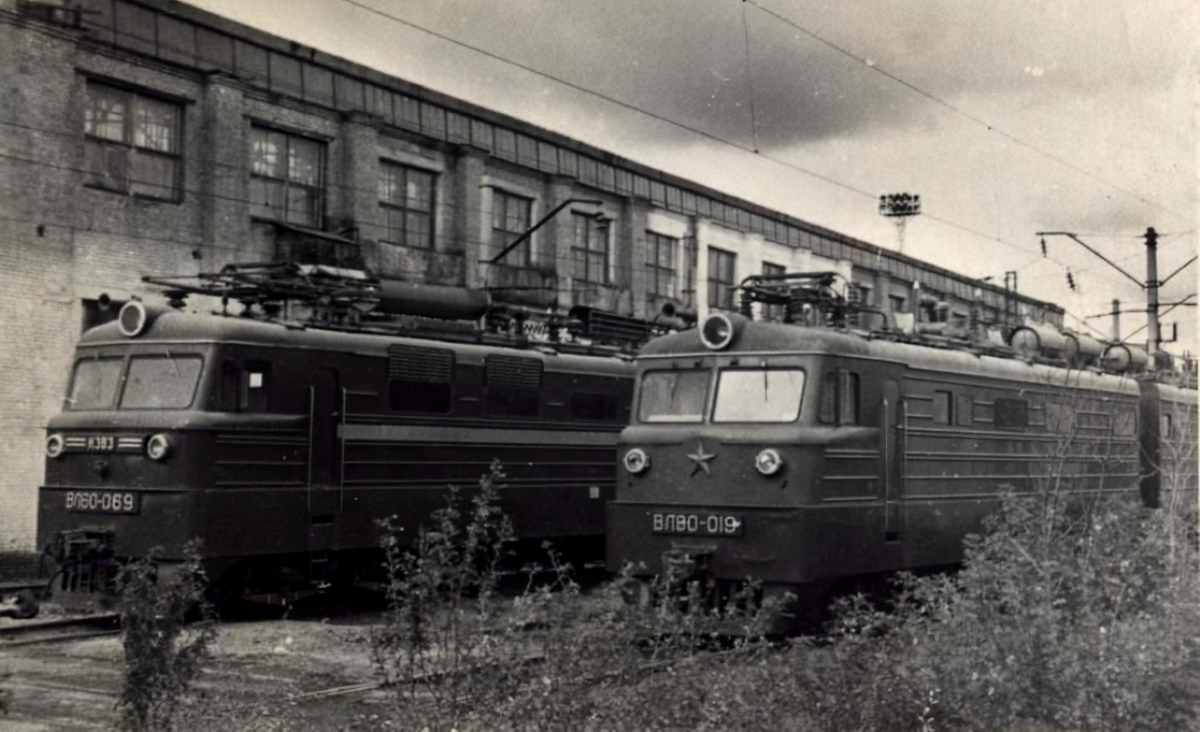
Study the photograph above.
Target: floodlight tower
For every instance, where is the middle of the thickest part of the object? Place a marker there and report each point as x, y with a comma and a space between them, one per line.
900, 207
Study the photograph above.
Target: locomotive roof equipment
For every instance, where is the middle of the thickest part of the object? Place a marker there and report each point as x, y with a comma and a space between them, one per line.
810, 453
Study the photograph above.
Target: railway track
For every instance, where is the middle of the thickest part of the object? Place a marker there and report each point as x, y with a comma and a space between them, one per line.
30, 632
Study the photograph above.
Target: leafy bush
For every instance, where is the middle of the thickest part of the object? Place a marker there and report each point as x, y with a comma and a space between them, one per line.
1065, 615
162, 655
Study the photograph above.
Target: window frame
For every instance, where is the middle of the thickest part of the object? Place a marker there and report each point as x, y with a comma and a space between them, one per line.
500, 238
720, 291
716, 393
286, 182
774, 312
135, 102
404, 209
127, 381
655, 269
841, 394
586, 251
948, 415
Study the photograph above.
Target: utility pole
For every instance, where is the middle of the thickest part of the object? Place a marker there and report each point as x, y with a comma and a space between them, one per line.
1116, 321
1153, 337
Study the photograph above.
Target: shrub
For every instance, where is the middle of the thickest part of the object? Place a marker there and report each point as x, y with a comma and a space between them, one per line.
162, 656
1066, 615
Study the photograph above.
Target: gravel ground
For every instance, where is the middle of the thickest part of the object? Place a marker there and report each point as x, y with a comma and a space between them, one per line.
264, 675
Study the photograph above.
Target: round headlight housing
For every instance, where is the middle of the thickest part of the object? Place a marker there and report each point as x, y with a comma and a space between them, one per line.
158, 446
768, 462
55, 445
133, 318
717, 331
637, 461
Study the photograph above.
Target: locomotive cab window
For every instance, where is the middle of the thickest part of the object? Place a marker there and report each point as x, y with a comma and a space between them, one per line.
673, 396
161, 382
839, 398
758, 395
94, 385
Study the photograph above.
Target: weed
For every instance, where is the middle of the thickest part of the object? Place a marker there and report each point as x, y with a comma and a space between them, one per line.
162, 655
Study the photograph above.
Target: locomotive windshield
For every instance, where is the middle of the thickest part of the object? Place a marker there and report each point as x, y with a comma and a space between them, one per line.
161, 382
758, 395
95, 383
153, 382
673, 396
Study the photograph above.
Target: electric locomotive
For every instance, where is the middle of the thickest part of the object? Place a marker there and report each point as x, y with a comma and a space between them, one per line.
278, 436
806, 453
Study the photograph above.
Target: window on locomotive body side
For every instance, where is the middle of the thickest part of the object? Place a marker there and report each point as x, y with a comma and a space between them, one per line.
1010, 414
132, 143
420, 379
839, 400
593, 407
406, 205
943, 407
287, 177
244, 386
511, 217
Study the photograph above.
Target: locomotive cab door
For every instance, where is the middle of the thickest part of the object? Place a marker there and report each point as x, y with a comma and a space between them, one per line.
324, 458
893, 418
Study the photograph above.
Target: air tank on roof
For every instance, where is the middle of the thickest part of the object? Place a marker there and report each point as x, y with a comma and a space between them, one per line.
1038, 340
1122, 358
1082, 350
445, 302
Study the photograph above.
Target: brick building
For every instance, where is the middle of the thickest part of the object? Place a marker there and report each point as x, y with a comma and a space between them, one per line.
146, 136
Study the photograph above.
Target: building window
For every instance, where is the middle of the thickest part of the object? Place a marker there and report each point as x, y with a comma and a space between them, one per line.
406, 205
774, 312
132, 143
898, 303
511, 219
720, 279
589, 250
286, 177
660, 270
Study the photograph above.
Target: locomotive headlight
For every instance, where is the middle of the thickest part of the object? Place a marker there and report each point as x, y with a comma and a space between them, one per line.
158, 446
54, 446
768, 462
717, 331
637, 461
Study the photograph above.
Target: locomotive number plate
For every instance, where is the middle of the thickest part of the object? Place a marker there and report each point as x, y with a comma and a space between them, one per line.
104, 501
100, 443
696, 524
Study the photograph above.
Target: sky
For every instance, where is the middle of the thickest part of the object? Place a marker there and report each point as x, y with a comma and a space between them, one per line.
1008, 119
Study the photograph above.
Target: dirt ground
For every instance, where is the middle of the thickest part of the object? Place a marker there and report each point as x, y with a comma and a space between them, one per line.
311, 674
